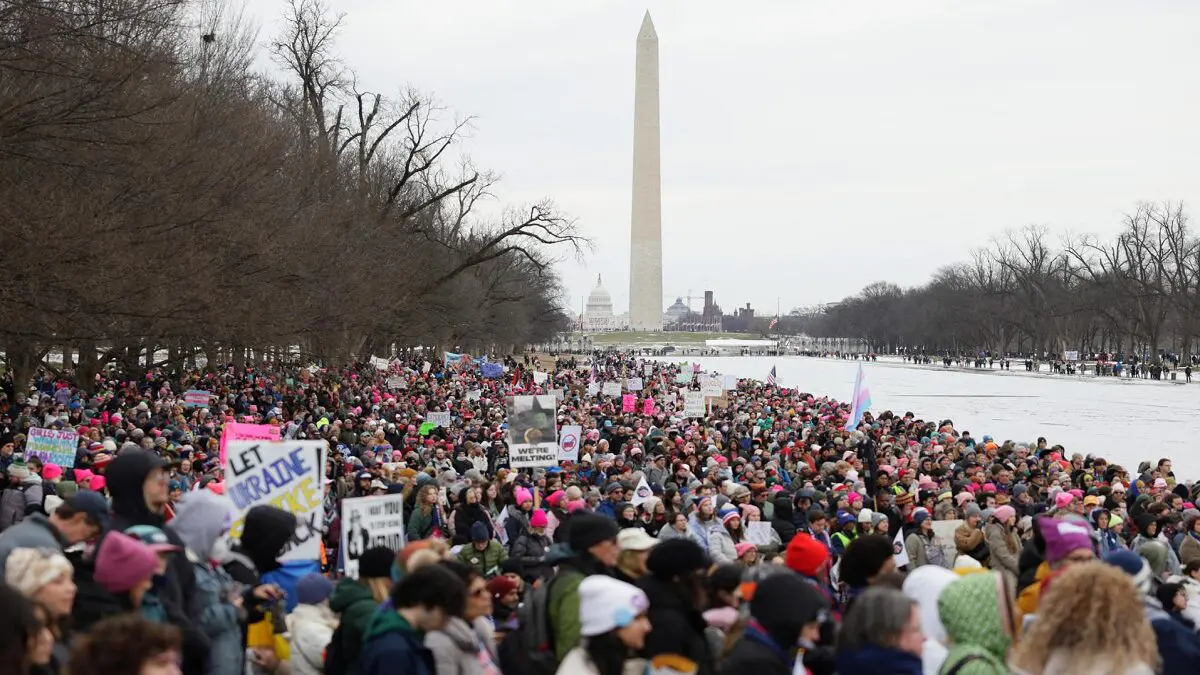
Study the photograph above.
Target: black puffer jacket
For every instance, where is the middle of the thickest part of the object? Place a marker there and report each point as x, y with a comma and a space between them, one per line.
783, 521
678, 627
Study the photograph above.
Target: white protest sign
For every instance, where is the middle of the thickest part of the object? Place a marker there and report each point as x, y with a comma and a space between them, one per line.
758, 533
395, 382
943, 537
730, 382
634, 384
474, 395
539, 377
368, 522
648, 370
284, 474
380, 364
593, 388
711, 386
532, 432
899, 553
569, 438
558, 394
693, 404
440, 418
611, 389
641, 493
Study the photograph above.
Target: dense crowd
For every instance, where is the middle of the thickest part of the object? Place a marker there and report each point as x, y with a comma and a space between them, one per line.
763, 534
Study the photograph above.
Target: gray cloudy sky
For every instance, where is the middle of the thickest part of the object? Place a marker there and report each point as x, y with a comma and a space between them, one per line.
809, 148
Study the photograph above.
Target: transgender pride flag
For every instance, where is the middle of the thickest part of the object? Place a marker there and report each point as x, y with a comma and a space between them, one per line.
861, 401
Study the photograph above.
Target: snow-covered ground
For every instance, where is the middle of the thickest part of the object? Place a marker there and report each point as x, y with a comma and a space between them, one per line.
1122, 420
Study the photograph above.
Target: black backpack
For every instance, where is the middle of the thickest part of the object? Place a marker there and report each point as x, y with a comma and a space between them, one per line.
529, 648
335, 653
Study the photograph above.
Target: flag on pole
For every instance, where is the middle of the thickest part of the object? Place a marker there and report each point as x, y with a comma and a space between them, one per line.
773, 322
861, 401
899, 552
771, 377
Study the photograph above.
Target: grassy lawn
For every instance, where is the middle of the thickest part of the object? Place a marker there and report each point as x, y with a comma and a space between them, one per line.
631, 338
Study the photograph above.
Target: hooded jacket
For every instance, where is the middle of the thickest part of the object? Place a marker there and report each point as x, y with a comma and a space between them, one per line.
199, 523
677, 626
393, 646
978, 626
126, 480
355, 605
19, 501
264, 533
456, 648
309, 629
925, 586
783, 520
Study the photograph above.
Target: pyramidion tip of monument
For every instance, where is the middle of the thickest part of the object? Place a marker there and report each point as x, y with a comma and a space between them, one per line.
647, 31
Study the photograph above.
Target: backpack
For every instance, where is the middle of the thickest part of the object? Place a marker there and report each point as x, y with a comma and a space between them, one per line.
529, 648
334, 661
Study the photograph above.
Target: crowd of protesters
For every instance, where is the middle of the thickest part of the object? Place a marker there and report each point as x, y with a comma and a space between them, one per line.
772, 538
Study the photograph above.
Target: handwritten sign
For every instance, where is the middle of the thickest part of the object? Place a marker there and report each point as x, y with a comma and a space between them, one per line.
52, 447
629, 403
611, 389
196, 398
396, 382
711, 386
368, 522
648, 406
284, 474
539, 377
758, 533
693, 404
634, 384
440, 418
238, 431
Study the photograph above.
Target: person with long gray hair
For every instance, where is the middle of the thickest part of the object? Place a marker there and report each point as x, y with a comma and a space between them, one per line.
881, 635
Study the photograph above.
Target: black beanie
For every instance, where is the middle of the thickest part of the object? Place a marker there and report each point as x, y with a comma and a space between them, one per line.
676, 557
588, 529
784, 603
727, 577
376, 563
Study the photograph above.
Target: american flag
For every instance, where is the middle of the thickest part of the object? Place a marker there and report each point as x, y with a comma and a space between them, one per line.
773, 322
771, 377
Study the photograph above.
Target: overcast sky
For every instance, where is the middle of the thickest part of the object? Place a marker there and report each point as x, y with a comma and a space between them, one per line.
808, 148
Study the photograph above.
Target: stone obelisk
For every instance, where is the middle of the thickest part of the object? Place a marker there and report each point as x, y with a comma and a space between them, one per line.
645, 254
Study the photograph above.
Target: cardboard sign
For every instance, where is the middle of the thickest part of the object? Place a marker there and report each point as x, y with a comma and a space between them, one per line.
693, 404
396, 382
569, 438
634, 384
440, 418
712, 386
52, 447
368, 522
284, 474
380, 364
238, 431
611, 389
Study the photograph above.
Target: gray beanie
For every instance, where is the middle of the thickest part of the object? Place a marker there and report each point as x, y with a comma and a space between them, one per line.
973, 510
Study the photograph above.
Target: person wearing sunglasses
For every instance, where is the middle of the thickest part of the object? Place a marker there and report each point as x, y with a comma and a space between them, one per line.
466, 645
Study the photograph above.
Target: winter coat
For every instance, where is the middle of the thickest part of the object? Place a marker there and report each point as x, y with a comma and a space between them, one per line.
1110, 541
515, 525
563, 606
310, 628
1003, 558
467, 515
704, 530
392, 646
421, 524
924, 550
668, 533
1192, 588
18, 501
355, 605
678, 627
720, 547
1189, 549
974, 620
35, 531
530, 549
783, 521
486, 562
877, 660
199, 522
578, 663
1178, 646
456, 648
967, 538
755, 652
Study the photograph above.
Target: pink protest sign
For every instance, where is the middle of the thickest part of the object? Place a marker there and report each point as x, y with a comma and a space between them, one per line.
648, 407
238, 431
629, 403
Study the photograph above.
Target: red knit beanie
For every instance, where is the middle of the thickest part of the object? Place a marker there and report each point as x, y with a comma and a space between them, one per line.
805, 555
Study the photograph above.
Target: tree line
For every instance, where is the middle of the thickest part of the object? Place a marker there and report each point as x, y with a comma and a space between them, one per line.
1029, 292
160, 195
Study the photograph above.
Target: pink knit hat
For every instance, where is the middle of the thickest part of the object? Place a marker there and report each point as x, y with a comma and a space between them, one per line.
51, 472
123, 562
97, 483
538, 518
1063, 500
1003, 513
743, 547
522, 495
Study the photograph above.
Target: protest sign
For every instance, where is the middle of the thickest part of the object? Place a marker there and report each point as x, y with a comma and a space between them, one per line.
558, 393
532, 432
195, 398
474, 395
629, 403
683, 377
491, 370
758, 533
380, 364
693, 404
440, 418
648, 370
52, 447
730, 382
396, 382
368, 522
642, 492
943, 537
711, 386
648, 406
593, 388
238, 431
283, 474
634, 384
539, 377
611, 389
568, 443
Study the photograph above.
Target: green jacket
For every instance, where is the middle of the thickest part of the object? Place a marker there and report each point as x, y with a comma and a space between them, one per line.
486, 562
420, 525
564, 610
972, 614
352, 600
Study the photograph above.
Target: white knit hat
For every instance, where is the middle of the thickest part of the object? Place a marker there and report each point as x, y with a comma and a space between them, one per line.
29, 569
606, 603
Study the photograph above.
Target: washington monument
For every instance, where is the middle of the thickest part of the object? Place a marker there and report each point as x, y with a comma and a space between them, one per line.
645, 250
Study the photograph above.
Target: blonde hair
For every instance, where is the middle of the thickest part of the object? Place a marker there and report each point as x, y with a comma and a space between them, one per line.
1092, 615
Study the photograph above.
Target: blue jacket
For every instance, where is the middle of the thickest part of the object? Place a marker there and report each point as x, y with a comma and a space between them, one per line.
1178, 645
392, 646
607, 508
875, 660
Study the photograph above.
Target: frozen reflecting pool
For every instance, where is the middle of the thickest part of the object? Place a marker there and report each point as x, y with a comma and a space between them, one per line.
1121, 420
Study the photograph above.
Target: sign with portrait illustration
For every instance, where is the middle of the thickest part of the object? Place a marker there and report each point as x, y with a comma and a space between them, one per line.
532, 431
368, 522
